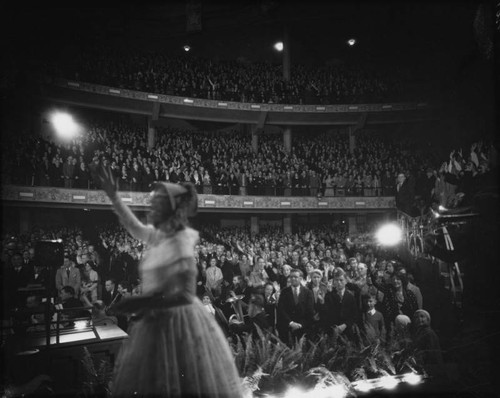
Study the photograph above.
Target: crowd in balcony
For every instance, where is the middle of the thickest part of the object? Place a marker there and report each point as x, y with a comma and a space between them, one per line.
223, 163
220, 162
236, 80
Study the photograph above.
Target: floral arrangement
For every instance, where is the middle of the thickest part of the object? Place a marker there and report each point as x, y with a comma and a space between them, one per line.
270, 367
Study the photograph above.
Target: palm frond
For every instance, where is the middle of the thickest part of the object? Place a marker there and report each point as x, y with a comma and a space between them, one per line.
96, 382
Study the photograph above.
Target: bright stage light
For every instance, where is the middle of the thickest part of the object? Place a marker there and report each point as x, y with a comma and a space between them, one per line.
187, 48
320, 391
278, 46
389, 235
412, 378
294, 392
334, 391
80, 325
388, 382
362, 385
64, 125
442, 208
351, 42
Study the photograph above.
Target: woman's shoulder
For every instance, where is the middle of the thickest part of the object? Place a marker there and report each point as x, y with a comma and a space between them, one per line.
178, 244
187, 234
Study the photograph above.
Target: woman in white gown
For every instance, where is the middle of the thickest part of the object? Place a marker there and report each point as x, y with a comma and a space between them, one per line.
175, 347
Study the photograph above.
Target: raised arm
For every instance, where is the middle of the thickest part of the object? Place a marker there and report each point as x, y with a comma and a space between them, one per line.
106, 180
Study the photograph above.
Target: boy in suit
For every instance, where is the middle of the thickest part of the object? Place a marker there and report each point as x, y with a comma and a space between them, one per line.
373, 320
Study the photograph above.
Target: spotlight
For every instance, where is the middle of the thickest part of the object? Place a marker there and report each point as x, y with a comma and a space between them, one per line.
389, 235
351, 42
412, 378
295, 392
337, 391
187, 48
442, 208
388, 382
80, 325
278, 46
64, 125
362, 385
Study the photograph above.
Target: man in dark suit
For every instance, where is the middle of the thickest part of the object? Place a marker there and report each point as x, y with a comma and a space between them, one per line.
340, 311
72, 307
40, 276
295, 309
69, 301
405, 194
270, 304
110, 295
147, 180
27, 261
319, 289
16, 276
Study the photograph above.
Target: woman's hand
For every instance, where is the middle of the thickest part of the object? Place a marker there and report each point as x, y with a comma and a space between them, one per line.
104, 176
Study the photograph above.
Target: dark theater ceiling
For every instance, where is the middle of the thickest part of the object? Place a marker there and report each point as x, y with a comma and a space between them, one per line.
318, 30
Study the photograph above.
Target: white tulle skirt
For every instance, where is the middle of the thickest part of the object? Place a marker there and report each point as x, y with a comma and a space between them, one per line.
176, 352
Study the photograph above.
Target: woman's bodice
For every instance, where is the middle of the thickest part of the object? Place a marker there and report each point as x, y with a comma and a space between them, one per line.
169, 266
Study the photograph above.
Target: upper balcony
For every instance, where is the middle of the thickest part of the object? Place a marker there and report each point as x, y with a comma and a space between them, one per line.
166, 106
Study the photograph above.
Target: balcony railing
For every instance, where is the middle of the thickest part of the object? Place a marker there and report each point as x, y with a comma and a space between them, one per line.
210, 198
221, 189
371, 105
275, 190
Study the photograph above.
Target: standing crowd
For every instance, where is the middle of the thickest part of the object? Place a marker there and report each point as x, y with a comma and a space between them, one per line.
312, 282
215, 162
238, 80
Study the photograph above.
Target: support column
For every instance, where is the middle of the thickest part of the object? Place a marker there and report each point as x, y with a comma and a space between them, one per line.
352, 139
24, 220
254, 225
151, 134
352, 225
43, 126
255, 139
286, 54
287, 139
287, 224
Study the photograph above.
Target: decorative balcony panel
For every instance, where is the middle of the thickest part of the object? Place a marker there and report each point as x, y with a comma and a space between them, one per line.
137, 102
256, 107
78, 198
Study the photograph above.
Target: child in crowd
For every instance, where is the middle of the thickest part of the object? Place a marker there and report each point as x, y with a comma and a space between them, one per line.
373, 320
